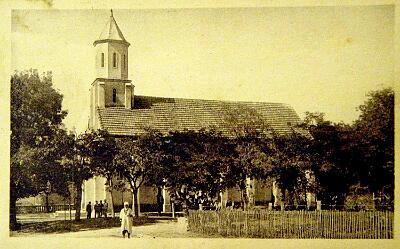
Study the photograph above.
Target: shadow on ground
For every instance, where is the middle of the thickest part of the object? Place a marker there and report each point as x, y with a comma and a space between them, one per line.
62, 226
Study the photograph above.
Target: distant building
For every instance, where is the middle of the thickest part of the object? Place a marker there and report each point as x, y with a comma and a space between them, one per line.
115, 108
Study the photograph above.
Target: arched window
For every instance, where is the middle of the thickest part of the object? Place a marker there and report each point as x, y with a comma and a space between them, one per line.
102, 59
114, 59
114, 95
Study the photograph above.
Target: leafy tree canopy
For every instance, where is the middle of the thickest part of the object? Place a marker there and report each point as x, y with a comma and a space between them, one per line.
36, 117
36, 123
375, 137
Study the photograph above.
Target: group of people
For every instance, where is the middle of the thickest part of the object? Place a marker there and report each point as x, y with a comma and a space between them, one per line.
100, 209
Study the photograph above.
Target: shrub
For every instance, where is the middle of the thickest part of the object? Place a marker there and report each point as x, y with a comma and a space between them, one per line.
356, 202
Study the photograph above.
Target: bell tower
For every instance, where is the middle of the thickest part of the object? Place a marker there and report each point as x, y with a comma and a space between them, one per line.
111, 88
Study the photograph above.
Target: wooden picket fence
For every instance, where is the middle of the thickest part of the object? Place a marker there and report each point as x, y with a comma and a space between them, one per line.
293, 224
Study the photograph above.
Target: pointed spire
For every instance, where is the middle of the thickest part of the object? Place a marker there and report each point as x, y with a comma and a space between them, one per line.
111, 32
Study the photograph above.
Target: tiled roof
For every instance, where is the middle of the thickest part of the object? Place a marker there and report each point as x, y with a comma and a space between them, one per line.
176, 114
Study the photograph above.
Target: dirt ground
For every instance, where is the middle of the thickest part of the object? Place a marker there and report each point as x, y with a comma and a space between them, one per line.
161, 229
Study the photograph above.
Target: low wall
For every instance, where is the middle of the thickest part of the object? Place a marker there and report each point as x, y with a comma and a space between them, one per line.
42, 208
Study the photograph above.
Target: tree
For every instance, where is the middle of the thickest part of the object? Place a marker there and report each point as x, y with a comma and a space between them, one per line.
212, 161
161, 170
179, 148
358, 156
46, 167
252, 161
137, 157
104, 150
78, 163
198, 165
36, 118
293, 166
334, 155
374, 131
249, 130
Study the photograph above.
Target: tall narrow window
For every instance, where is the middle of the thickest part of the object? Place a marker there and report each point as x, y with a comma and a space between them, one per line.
114, 95
114, 59
124, 63
102, 59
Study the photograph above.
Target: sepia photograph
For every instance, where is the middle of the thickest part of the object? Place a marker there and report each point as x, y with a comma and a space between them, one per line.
262, 123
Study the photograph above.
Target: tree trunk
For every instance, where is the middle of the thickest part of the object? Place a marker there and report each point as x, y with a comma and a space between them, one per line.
243, 194
290, 198
112, 204
13, 212
244, 198
306, 201
135, 204
283, 201
78, 199
187, 205
160, 200
110, 185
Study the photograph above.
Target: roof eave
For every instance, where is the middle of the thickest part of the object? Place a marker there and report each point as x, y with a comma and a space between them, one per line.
112, 80
111, 40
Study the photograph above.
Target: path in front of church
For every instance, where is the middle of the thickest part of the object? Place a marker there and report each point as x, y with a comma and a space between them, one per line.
161, 229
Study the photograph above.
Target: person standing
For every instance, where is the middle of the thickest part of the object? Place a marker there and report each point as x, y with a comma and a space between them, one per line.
126, 216
89, 210
96, 210
105, 208
101, 207
160, 202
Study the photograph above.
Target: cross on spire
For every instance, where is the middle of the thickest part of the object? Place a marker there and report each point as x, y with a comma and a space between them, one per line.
111, 13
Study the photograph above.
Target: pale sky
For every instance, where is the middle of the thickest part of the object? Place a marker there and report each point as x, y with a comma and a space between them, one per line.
313, 58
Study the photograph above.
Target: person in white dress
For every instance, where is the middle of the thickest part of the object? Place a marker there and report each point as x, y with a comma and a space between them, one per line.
126, 217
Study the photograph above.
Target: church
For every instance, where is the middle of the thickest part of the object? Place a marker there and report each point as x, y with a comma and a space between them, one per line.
115, 108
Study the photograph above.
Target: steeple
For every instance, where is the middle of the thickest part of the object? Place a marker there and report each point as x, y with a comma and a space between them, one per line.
112, 52
111, 32
111, 87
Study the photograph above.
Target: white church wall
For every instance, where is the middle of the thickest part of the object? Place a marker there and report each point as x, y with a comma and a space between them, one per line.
117, 72
148, 195
93, 190
101, 72
233, 194
128, 96
121, 196
262, 193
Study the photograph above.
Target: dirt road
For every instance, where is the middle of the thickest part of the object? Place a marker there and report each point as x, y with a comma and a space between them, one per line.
161, 229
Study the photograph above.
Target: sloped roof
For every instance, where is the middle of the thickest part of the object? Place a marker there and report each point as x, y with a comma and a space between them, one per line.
177, 114
111, 32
